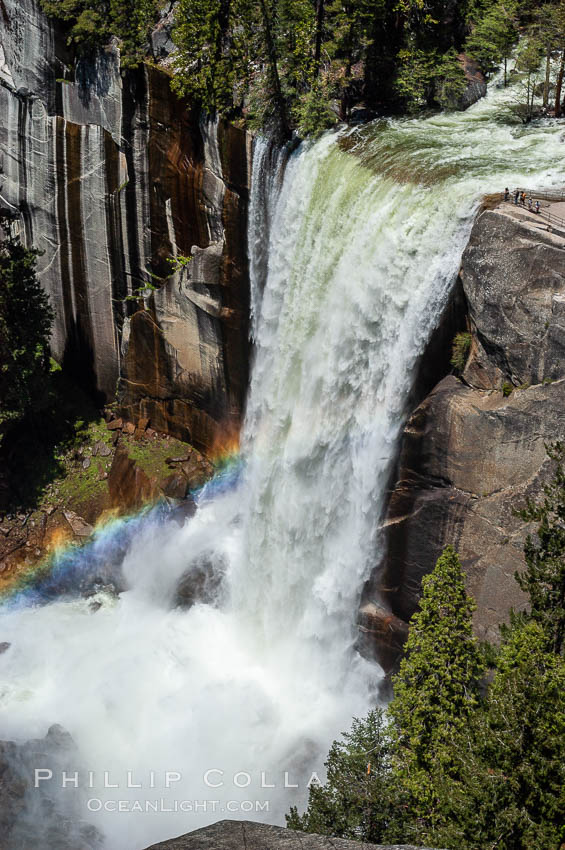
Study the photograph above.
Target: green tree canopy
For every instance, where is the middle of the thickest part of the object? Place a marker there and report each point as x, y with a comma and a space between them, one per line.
544, 577
356, 800
510, 788
25, 326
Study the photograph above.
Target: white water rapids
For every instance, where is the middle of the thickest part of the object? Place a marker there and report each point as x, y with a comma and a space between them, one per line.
363, 247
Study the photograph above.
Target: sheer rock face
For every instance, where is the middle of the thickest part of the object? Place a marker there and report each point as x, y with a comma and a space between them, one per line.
245, 835
514, 278
476, 87
469, 454
112, 177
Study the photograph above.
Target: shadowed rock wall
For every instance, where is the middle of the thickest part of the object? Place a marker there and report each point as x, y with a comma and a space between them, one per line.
112, 176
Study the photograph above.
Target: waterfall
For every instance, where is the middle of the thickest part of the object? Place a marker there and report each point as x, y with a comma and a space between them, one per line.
353, 253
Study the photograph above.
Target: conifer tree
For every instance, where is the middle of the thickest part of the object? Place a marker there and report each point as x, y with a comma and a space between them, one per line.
544, 577
493, 36
25, 326
435, 691
357, 799
510, 788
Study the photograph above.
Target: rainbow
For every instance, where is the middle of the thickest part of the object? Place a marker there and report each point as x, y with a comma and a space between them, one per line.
71, 570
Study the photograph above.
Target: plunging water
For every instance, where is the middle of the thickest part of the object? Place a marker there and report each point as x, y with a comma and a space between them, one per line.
365, 234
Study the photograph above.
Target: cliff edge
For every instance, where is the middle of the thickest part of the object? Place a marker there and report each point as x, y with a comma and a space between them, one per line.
474, 449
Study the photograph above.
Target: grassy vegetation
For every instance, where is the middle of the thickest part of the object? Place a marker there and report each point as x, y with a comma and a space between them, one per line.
151, 455
37, 452
461, 347
507, 389
76, 485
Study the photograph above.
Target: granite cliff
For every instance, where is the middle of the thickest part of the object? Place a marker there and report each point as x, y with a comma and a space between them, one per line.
474, 448
111, 176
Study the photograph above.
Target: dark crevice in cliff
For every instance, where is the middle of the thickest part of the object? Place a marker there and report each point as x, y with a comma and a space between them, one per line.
434, 364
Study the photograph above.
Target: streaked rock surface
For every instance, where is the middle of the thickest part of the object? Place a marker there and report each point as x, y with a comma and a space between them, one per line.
113, 176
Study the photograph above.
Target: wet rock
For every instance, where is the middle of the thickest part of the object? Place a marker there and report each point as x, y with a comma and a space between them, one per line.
202, 581
476, 83
382, 635
175, 486
182, 511
129, 487
245, 835
79, 526
42, 816
131, 152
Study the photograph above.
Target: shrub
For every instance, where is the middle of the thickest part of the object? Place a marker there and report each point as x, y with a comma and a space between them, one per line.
460, 351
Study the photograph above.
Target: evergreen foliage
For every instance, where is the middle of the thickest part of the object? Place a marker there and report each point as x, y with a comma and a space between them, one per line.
494, 32
510, 791
435, 692
462, 763
355, 801
300, 64
544, 577
25, 326
92, 22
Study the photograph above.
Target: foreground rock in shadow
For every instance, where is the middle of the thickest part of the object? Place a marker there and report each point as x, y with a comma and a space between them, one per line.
245, 835
474, 449
43, 816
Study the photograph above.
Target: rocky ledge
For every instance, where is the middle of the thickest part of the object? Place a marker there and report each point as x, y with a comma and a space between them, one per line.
474, 448
246, 835
111, 467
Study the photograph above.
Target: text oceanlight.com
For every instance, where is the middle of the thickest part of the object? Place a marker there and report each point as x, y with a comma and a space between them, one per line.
168, 806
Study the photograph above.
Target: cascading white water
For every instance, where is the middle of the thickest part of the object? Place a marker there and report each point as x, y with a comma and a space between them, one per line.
365, 236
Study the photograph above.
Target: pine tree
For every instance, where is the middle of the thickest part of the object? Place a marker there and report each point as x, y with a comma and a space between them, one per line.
544, 577
25, 326
435, 691
493, 36
131, 20
356, 800
510, 788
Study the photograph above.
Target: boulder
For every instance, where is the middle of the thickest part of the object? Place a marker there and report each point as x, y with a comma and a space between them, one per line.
202, 581
42, 816
513, 274
79, 526
476, 83
128, 485
246, 835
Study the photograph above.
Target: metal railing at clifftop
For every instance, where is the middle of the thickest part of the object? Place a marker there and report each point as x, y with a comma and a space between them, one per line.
545, 213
